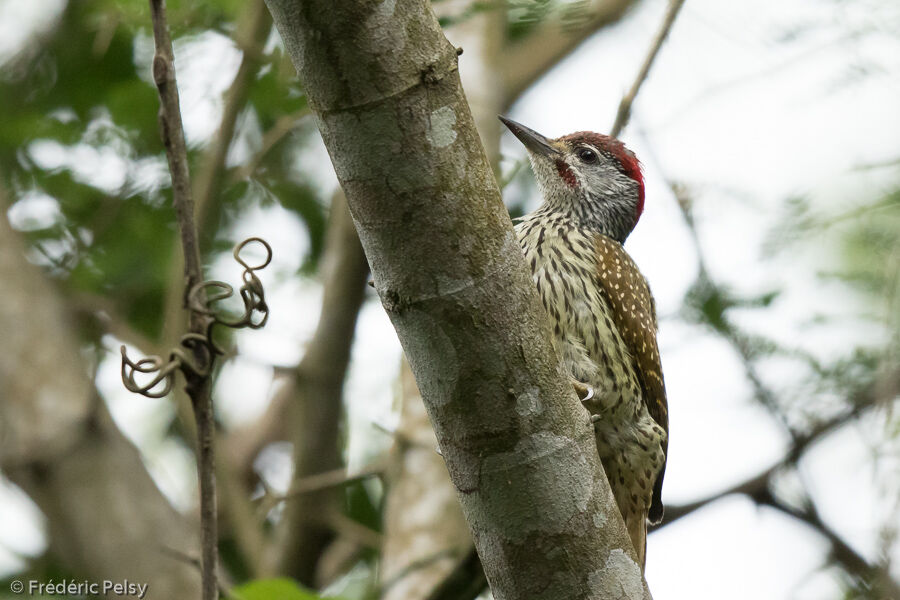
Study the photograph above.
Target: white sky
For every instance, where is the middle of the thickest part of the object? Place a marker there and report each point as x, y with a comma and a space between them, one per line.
743, 118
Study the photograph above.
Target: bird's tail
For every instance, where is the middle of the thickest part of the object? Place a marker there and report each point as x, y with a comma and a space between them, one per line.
637, 530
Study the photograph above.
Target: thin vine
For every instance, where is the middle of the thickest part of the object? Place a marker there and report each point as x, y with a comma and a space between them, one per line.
200, 300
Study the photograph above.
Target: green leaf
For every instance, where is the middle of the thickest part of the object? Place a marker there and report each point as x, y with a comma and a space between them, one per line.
272, 589
362, 507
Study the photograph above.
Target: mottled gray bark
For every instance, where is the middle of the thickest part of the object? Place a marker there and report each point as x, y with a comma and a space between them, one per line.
106, 519
425, 534
383, 83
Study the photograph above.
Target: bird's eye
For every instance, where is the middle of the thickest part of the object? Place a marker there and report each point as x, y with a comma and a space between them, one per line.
587, 155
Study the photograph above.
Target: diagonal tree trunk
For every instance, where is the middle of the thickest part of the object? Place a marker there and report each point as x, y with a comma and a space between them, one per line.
425, 535
418, 483
383, 83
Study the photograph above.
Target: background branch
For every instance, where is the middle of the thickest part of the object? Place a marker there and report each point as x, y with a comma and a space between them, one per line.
315, 394
199, 385
253, 29
524, 61
624, 112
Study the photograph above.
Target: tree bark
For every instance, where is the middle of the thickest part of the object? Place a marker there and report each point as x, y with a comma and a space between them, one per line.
426, 540
383, 83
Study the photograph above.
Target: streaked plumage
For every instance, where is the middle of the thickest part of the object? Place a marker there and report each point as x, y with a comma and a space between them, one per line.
601, 309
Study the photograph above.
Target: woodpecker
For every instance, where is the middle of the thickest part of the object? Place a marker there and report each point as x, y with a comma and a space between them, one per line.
600, 307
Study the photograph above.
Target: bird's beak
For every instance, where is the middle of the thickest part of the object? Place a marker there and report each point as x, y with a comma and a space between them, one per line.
534, 141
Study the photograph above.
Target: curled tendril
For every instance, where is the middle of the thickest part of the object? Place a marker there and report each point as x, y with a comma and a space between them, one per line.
195, 355
165, 375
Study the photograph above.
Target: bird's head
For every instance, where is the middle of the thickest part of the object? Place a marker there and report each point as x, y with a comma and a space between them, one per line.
591, 176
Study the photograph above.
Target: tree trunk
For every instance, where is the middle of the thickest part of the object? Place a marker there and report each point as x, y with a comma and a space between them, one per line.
421, 552
383, 83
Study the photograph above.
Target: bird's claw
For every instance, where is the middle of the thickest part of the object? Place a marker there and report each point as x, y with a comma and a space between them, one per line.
584, 391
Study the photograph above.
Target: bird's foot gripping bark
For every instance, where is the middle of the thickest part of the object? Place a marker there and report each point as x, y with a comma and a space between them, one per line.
584, 391
588, 397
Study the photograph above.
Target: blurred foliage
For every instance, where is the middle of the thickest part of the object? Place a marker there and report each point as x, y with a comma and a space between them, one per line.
80, 130
522, 16
272, 589
86, 176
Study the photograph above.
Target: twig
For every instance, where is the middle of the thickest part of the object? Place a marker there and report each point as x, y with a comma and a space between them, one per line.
322, 481
208, 179
759, 489
173, 138
333, 478
197, 369
257, 24
198, 387
283, 126
624, 112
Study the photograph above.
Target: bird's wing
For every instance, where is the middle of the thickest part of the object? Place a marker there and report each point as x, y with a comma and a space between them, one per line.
634, 314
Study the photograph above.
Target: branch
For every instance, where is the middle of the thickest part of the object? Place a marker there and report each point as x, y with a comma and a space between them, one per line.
454, 282
861, 402
624, 112
751, 487
759, 489
524, 62
256, 26
198, 388
873, 577
315, 396
283, 126
172, 133
322, 481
